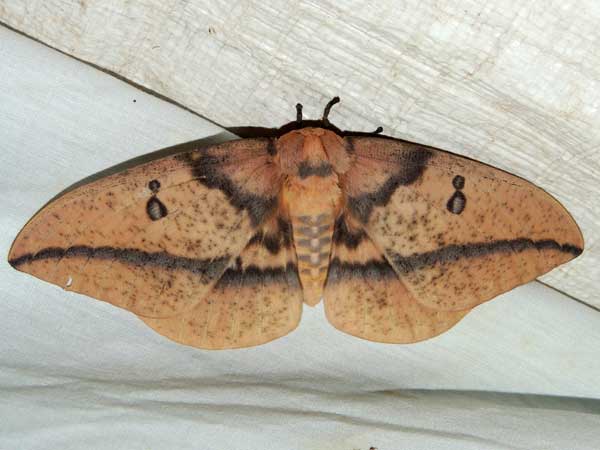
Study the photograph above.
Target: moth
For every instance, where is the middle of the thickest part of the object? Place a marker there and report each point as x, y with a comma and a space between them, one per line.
220, 247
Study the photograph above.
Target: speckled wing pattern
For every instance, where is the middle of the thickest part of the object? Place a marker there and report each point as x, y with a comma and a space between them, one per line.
164, 238
258, 298
427, 235
219, 247
365, 297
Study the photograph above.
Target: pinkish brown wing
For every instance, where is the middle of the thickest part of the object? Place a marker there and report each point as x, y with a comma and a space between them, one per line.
456, 231
366, 298
154, 239
258, 298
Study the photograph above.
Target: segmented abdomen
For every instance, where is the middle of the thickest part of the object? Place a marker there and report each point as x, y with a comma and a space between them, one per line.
312, 238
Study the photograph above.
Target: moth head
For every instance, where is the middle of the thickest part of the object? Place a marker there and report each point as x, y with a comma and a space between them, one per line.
312, 151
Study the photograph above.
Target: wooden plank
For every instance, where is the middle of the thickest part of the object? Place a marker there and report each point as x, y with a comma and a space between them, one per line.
510, 84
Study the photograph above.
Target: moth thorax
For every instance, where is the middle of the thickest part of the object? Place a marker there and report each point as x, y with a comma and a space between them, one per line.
312, 151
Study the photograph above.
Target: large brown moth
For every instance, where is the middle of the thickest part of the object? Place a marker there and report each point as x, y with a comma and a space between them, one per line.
219, 247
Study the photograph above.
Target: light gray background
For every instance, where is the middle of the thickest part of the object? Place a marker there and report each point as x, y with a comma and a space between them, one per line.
519, 372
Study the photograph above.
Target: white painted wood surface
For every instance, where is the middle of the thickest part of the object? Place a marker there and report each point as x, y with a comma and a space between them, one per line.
515, 84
